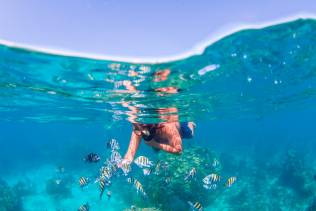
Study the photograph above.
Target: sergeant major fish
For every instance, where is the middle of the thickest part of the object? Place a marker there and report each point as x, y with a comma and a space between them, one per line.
157, 168
83, 181
109, 194
102, 184
210, 179
113, 144
190, 175
115, 157
106, 172
215, 163
84, 207
147, 171
230, 181
126, 168
137, 185
143, 162
196, 206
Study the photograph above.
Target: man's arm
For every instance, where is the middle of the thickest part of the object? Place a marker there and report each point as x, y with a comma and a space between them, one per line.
133, 146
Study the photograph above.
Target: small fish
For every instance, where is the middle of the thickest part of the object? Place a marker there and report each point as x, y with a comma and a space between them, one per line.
113, 167
168, 180
102, 184
115, 157
139, 187
126, 168
106, 172
196, 206
113, 144
83, 181
215, 163
58, 181
147, 171
143, 162
190, 175
109, 194
84, 207
92, 158
230, 181
164, 166
212, 178
60, 169
157, 168
130, 180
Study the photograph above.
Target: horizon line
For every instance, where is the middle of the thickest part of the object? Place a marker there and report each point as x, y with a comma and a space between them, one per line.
197, 49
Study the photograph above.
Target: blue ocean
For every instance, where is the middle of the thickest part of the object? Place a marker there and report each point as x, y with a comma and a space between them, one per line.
251, 95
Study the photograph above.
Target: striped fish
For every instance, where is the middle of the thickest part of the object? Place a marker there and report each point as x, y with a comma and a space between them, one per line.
113, 144
139, 187
106, 172
196, 206
130, 180
215, 163
84, 207
190, 175
143, 162
230, 181
212, 178
83, 181
102, 184
126, 168
115, 157
147, 171
113, 167
157, 168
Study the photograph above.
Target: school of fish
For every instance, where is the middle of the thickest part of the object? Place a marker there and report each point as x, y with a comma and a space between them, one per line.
114, 165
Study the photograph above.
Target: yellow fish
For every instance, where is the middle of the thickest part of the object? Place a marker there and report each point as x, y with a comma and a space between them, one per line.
196, 206
83, 181
139, 187
212, 178
230, 181
102, 186
106, 172
143, 161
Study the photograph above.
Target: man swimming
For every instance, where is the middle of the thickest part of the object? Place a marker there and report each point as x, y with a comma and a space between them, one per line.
164, 136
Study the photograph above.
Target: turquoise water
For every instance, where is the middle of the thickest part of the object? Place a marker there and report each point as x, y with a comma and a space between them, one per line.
251, 94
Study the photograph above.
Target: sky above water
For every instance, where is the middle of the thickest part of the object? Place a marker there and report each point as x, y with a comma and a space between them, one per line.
134, 28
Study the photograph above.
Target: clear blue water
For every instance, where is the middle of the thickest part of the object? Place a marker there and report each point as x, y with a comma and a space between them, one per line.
251, 94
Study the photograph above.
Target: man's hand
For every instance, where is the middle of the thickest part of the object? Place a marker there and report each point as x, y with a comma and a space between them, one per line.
125, 161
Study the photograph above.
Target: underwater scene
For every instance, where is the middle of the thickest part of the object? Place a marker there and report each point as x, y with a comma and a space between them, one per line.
232, 128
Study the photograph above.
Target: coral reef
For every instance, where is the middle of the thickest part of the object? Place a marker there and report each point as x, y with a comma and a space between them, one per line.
283, 180
169, 191
9, 199
24, 188
296, 176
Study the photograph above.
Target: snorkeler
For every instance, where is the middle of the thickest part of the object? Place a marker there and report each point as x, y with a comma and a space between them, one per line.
165, 136
162, 136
